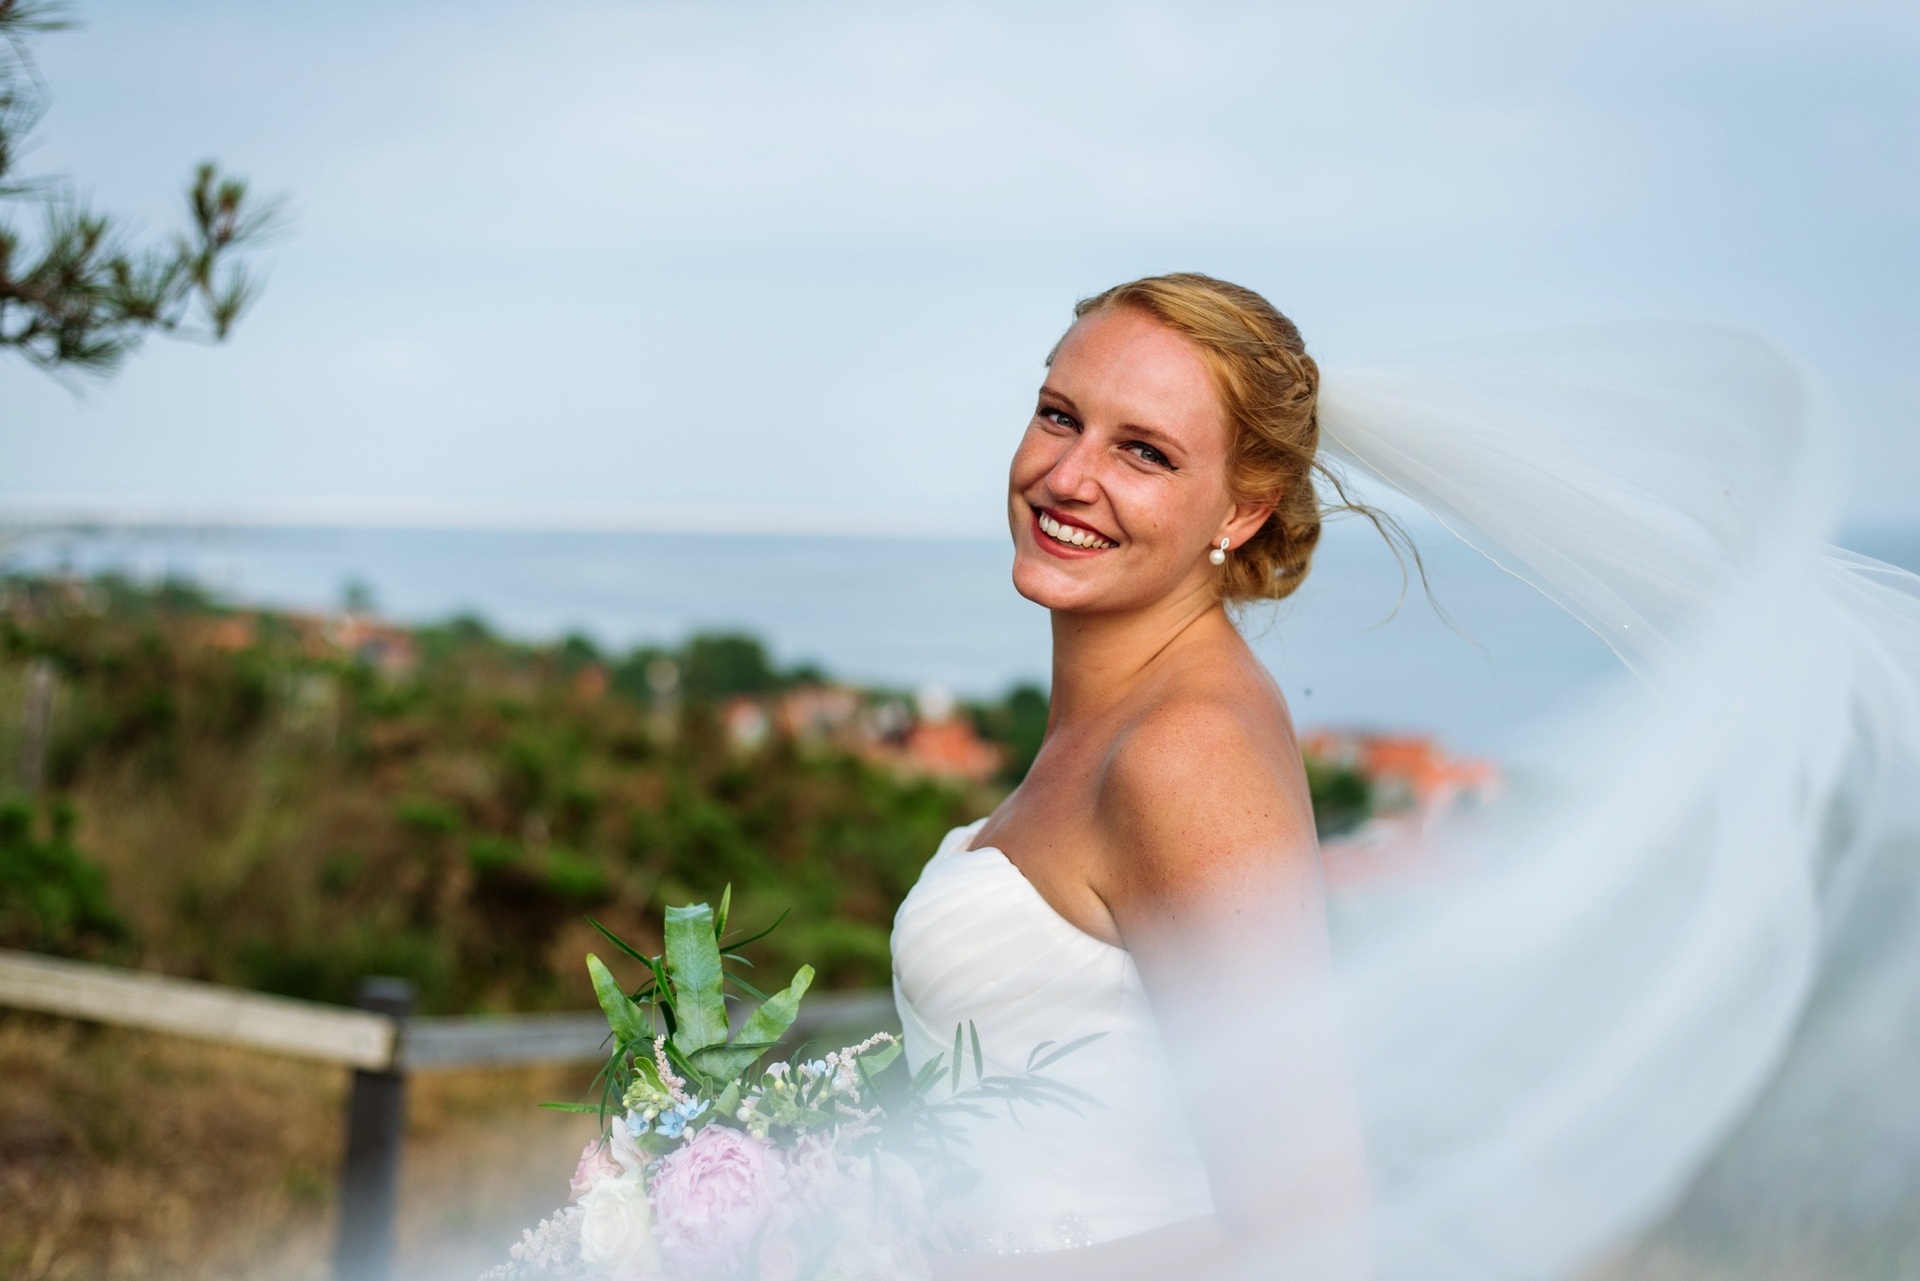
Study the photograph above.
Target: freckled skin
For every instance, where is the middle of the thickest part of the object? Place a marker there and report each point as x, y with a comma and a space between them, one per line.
1167, 811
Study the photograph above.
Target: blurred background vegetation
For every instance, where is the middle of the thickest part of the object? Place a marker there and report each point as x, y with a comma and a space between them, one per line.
288, 802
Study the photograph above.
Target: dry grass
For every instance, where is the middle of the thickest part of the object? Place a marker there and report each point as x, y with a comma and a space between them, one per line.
129, 1155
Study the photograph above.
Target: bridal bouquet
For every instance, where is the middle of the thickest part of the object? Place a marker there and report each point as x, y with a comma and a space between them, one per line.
713, 1163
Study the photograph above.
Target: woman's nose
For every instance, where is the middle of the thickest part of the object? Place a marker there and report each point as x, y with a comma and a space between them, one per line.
1072, 477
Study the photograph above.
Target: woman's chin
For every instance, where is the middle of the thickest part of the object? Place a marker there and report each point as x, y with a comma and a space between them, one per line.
1073, 587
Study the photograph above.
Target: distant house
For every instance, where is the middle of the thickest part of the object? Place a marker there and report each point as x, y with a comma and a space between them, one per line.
230, 633
1409, 772
1416, 784
746, 723
590, 683
388, 649
949, 749
884, 730
818, 713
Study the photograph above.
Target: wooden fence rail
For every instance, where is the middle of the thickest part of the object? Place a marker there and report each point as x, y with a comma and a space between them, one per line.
381, 1041
205, 1011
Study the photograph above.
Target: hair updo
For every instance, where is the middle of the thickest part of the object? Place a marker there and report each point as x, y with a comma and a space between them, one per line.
1268, 386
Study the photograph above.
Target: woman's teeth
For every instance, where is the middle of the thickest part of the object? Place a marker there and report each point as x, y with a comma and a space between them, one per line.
1072, 535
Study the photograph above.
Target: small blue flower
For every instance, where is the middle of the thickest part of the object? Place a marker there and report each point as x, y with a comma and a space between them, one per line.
673, 1122
637, 1125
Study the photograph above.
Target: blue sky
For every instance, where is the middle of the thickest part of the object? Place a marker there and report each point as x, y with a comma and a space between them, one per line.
753, 265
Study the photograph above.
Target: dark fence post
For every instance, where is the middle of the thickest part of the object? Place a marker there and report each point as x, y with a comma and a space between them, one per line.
376, 1124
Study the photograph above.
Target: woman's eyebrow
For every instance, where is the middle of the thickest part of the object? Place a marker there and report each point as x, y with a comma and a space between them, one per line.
1154, 436
1066, 401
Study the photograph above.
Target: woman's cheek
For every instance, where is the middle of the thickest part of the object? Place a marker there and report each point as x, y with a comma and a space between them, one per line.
1031, 460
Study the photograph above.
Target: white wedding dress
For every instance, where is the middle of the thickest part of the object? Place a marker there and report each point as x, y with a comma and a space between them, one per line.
975, 943
1550, 1043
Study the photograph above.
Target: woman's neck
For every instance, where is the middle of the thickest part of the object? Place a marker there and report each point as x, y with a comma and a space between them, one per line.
1098, 658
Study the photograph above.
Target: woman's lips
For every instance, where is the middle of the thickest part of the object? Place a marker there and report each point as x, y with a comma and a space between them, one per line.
1066, 539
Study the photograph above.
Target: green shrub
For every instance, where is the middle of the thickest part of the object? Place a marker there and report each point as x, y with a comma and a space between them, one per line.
428, 817
492, 853
52, 898
1342, 796
575, 876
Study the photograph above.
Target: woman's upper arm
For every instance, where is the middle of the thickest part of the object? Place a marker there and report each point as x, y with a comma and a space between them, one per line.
1213, 880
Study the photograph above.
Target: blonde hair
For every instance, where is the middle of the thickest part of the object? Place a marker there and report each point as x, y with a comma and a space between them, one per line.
1268, 387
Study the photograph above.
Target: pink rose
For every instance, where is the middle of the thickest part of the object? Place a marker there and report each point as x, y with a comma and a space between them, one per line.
596, 1163
711, 1196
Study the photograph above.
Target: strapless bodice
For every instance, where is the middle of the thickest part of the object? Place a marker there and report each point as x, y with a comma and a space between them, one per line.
975, 941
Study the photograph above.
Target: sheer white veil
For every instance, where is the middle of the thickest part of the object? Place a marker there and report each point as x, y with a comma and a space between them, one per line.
1552, 1041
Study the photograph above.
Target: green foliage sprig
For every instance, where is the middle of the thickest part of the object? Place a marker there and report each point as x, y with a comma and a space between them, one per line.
671, 1044
80, 296
679, 1013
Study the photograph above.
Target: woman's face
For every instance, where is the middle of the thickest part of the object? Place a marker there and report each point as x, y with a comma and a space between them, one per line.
1119, 489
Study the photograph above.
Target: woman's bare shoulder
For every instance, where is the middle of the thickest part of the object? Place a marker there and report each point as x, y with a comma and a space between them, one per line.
1204, 783
1219, 718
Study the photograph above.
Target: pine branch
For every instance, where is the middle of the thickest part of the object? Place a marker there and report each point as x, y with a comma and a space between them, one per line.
79, 296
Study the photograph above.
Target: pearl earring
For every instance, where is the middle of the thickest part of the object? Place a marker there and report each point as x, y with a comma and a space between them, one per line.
1219, 554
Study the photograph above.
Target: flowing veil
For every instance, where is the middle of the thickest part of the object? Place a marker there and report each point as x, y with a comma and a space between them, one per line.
1607, 994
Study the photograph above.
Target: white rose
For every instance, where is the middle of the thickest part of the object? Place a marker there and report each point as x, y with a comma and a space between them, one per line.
616, 1226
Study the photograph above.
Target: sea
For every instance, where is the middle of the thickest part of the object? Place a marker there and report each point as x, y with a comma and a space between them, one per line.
1473, 656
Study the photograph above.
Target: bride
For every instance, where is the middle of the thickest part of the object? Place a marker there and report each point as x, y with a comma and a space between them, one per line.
1502, 1074
1159, 857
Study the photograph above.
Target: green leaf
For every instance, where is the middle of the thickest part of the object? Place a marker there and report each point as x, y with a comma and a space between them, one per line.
874, 1062
881, 1059
621, 943
720, 917
729, 1101
979, 1061
1065, 1050
623, 1016
679, 1062
693, 963
748, 988
765, 1025
777, 1013
723, 1061
586, 1109
755, 938
606, 1102
929, 1073
662, 992
955, 1087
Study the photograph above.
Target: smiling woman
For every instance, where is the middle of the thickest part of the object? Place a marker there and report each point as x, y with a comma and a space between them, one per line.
1171, 378
1159, 855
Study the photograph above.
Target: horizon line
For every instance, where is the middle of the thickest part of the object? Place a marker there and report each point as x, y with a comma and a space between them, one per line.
738, 519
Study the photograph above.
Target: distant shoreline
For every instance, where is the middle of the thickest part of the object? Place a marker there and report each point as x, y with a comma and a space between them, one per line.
79, 515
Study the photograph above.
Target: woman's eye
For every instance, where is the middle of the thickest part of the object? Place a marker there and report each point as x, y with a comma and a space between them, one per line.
1059, 418
1149, 454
